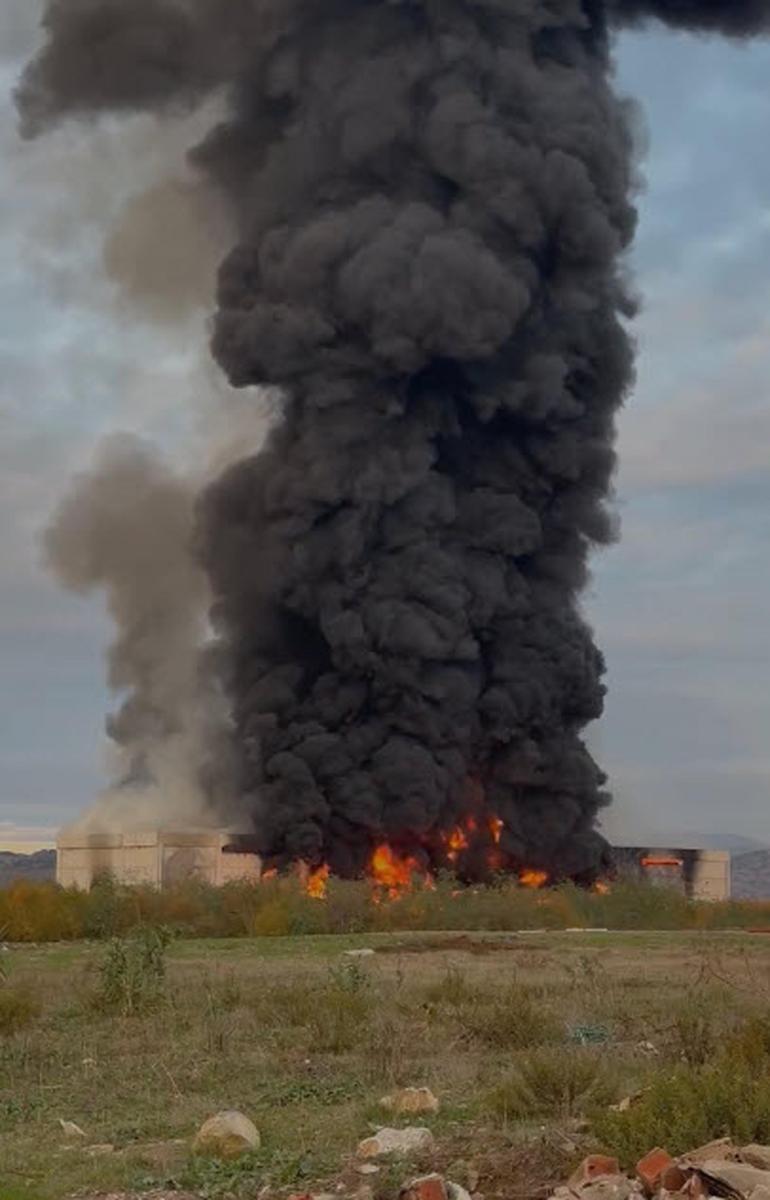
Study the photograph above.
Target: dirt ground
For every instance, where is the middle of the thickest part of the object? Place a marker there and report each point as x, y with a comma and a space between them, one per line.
305, 1039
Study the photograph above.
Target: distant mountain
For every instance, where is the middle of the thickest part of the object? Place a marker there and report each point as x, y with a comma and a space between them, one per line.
751, 875
39, 867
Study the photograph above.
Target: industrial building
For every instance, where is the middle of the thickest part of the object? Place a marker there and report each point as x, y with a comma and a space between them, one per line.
158, 857
698, 874
161, 857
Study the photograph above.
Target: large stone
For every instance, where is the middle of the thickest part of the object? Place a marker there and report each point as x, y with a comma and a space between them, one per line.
226, 1135
737, 1177
411, 1140
411, 1100
608, 1187
756, 1156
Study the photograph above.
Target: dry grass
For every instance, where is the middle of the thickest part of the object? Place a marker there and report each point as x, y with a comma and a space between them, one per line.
306, 1040
43, 912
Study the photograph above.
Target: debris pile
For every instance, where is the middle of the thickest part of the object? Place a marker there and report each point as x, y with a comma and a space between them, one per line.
719, 1169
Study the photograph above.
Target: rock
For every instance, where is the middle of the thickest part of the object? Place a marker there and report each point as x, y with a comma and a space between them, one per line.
592, 1168
411, 1140
723, 1149
367, 1168
70, 1129
650, 1168
756, 1156
226, 1135
411, 1100
424, 1187
608, 1187
456, 1192
738, 1177
365, 953
100, 1150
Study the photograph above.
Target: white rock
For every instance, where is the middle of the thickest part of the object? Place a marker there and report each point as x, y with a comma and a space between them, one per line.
70, 1129
365, 953
411, 1140
226, 1135
455, 1192
367, 1168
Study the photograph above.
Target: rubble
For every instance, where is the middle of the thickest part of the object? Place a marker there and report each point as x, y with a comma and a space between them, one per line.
719, 1169
226, 1135
411, 1140
425, 1187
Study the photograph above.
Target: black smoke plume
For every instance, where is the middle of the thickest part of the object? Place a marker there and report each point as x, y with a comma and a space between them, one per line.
434, 199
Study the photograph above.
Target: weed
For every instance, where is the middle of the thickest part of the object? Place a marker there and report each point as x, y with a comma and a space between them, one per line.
682, 1108
18, 1010
453, 989
133, 972
693, 1032
510, 1020
553, 1083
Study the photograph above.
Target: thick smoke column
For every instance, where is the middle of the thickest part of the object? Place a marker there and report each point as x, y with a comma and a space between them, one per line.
433, 201
125, 527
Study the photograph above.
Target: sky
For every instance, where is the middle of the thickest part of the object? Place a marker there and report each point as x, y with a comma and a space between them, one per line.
678, 605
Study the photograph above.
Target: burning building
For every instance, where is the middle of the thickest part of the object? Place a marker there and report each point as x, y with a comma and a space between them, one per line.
433, 203
696, 874
164, 857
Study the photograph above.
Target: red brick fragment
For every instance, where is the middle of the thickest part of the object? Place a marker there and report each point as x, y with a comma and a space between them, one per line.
425, 1187
650, 1169
594, 1167
673, 1178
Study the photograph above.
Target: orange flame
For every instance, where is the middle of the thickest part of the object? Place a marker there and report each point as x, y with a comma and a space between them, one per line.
316, 883
533, 879
496, 829
392, 873
271, 873
456, 842
601, 887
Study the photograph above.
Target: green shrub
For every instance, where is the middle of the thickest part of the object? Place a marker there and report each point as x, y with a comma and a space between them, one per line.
509, 1020
551, 1082
18, 1010
133, 973
688, 1107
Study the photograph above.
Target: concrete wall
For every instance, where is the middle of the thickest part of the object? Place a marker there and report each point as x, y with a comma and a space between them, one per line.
155, 857
699, 874
712, 880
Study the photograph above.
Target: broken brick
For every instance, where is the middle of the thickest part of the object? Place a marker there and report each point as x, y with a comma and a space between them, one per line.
673, 1178
594, 1167
424, 1187
650, 1169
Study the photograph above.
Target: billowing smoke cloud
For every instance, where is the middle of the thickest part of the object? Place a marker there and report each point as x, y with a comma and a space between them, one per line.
433, 202
125, 528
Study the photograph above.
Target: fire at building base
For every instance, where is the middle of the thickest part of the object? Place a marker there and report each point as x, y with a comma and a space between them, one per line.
162, 857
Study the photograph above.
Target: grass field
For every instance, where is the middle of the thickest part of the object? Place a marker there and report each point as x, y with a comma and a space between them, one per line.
526, 1039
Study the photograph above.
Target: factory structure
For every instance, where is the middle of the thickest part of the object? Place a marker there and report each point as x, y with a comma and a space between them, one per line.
157, 857
162, 857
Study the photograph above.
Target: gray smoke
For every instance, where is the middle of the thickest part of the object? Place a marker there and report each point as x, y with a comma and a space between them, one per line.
125, 528
433, 202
